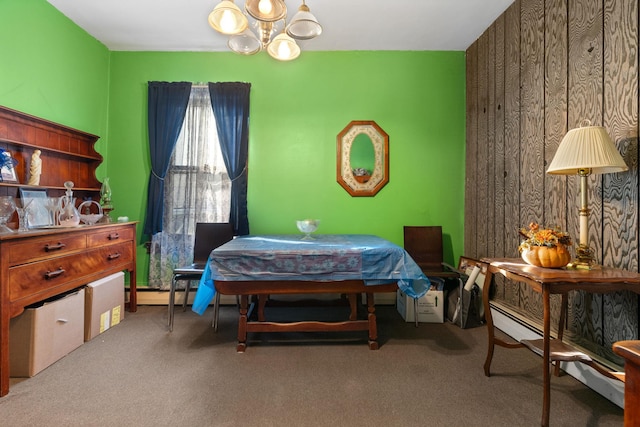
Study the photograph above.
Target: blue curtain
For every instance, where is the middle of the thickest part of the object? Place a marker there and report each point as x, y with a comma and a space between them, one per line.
230, 102
167, 105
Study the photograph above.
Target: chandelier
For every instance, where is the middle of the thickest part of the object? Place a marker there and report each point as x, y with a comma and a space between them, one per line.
268, 17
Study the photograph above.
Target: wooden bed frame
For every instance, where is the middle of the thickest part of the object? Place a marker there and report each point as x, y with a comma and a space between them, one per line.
262, 289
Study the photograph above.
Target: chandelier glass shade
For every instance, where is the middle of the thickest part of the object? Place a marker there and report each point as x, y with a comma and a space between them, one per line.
262, 25
227, 18
304, 25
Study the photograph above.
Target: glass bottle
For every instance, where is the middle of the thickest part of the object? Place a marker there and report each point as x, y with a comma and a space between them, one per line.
68, 216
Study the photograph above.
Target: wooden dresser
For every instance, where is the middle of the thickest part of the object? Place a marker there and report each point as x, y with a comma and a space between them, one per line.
36, 265
42, 263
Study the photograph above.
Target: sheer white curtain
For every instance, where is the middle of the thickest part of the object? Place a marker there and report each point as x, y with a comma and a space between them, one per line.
197, 189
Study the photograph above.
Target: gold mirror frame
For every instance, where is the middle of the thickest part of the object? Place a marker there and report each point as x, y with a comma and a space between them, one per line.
380, 174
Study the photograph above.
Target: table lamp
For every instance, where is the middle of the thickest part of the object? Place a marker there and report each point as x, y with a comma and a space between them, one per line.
584, 151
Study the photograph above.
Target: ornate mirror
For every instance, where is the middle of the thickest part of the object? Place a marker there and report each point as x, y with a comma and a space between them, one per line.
363, 158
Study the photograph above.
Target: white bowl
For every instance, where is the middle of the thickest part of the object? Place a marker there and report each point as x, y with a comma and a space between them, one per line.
308, 225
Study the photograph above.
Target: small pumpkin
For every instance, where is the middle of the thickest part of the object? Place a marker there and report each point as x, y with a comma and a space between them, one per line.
547, 256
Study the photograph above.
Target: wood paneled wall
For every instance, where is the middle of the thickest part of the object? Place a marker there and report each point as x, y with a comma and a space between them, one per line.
542, 68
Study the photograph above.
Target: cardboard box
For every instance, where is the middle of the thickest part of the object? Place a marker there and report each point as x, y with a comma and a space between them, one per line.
430, 307
104, 305
46, 333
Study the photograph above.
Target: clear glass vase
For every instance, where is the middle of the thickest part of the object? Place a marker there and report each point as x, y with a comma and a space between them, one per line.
7, 208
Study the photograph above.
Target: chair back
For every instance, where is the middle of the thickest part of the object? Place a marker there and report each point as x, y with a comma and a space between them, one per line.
424, 244
210, 235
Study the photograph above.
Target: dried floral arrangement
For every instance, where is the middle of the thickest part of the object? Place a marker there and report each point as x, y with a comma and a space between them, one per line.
541, 236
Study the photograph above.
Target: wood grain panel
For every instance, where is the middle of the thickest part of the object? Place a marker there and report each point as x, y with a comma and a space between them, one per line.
482, 148
620, 194
499, 151
532, 125
491, 142
555, 110
512, 139
555, 117
583, 59
470, 214
585, 102
531, 120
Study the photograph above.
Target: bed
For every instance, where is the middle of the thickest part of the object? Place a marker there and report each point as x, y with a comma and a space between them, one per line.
347, 264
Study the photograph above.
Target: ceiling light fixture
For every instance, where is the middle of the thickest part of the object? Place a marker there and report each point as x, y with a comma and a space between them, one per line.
268, 18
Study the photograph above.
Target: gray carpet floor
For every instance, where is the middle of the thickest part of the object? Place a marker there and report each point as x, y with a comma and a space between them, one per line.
138, 373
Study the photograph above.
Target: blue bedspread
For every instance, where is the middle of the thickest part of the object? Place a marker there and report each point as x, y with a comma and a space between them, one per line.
324, 257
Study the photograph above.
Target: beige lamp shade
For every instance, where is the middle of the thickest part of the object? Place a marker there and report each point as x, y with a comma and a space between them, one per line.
587, 148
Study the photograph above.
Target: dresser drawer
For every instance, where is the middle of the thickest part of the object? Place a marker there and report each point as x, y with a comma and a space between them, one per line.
46, 247
110, 237
119, 255
28, 279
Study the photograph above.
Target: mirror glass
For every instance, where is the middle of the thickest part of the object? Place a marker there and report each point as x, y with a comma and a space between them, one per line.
363, 158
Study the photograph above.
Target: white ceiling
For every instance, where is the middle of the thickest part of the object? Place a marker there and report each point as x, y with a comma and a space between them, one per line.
181, 25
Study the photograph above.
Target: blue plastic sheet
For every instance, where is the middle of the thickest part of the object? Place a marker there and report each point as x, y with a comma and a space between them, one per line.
325, 257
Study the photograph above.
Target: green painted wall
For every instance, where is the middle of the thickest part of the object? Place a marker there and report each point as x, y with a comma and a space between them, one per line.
51, 68
55, 70
297, 110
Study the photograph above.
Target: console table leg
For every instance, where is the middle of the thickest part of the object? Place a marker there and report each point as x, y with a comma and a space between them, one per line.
546, 375
561, 321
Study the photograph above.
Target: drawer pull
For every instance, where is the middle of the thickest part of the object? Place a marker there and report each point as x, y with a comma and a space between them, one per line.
53, 274
113, 256
56, 247
114, 236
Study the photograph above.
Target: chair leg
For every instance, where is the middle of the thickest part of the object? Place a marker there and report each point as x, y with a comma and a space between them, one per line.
216, 311
415, 310
187, 288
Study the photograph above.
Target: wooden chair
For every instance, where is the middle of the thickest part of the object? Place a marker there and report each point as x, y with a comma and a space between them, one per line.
208, 237
424, 244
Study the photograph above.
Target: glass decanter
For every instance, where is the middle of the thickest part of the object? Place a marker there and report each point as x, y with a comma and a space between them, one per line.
68, 215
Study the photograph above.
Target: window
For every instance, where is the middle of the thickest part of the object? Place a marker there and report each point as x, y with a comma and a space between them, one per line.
197, 189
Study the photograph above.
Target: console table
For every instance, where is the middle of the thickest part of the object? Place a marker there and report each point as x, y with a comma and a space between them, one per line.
549, 281
39, 264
